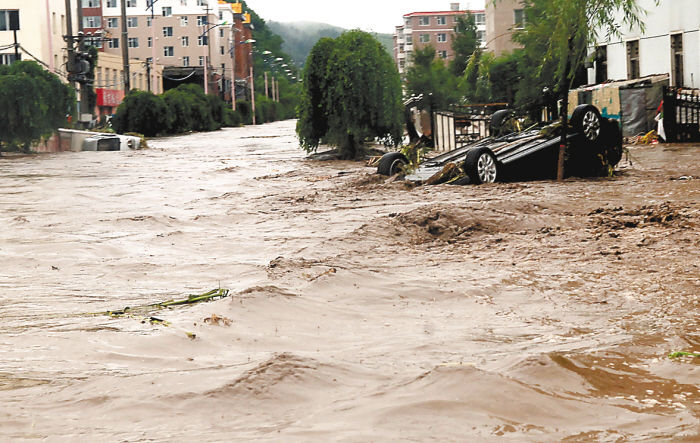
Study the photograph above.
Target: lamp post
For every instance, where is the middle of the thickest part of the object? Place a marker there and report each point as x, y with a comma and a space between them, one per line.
149, 5
252, 79
234, 32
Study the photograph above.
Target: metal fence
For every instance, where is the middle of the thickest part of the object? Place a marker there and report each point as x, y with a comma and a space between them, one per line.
682, 114
454, 129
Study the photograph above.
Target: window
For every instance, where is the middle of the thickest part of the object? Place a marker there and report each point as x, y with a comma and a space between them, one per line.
221, 15
424, 21
480, 19
111, 3
481, 36
185, 41
442, 54
132, 22
441, 20
5, 19
183, 2
201, 2
167, 11
91, 3
112, 22
201, 40
677, 59
601, 64
113, 43
92, 21
409, 39
184, 21
93, 41
8, 59
130, 3
168, 51
221, 32
201, 20
425, 38
150, 42
167, 31
222, 51
519, 18
442, 38
201, 60
133, 42
185, 61
633, 59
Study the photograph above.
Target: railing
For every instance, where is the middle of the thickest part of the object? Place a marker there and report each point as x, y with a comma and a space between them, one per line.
681, 114
454, 130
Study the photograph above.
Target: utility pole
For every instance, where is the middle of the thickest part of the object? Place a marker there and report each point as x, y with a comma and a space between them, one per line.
50, 33
81, 49
205, 49
125, 50
234, 31
148, 75
69, 39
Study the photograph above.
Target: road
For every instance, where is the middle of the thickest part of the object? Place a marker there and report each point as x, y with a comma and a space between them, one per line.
361, 308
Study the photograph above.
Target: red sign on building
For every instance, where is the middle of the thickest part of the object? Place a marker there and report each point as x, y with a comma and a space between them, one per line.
109, 97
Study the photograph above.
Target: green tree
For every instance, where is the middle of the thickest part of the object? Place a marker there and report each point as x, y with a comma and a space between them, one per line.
431, 78
361, 96
464, 43
33, 104
312, 124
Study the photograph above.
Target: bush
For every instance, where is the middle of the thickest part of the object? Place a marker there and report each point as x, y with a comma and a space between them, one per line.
143, 112
232, 118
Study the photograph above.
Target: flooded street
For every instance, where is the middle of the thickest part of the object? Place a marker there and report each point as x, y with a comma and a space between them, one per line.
360, 309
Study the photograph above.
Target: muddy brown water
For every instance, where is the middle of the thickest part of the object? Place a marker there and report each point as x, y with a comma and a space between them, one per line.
360, 309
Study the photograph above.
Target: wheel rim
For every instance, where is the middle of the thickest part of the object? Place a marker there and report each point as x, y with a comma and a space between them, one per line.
591, 125
486, 168
397, 166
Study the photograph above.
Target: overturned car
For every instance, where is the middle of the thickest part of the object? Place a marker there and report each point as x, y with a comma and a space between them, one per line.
594, 148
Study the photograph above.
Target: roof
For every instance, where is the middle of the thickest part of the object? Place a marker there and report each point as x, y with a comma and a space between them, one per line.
416, 14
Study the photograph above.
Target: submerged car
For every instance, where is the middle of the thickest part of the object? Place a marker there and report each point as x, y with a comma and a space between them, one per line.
594, 147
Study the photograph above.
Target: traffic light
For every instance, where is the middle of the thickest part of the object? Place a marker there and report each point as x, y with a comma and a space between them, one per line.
78, 67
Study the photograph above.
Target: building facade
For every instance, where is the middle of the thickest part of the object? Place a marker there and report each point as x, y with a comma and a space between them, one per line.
435, 28
670, 45
502, 19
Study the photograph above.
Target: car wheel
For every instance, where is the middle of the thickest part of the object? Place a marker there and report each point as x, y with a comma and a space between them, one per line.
586, 121
392, 163
497, 120
481, 166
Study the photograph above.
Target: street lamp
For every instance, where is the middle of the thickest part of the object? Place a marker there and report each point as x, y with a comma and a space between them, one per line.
250, 41
205, 39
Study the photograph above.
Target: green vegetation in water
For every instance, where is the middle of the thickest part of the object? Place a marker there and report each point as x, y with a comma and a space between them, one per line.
680, 354
146, 309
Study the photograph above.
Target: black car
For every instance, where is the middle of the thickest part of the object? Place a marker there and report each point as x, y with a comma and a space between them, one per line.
594, 146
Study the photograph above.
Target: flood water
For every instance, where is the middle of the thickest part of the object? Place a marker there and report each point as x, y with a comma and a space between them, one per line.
360, 309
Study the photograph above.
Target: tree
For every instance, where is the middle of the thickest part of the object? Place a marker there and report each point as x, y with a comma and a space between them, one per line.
360, 96
564, 29
430, 77
464, 44
33, 104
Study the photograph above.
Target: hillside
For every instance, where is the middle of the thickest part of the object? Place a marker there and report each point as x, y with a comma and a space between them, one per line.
300, 37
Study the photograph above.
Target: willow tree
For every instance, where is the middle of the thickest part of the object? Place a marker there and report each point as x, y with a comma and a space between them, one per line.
565, 29
351, 95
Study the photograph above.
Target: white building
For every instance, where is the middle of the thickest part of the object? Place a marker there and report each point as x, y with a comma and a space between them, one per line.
670, 44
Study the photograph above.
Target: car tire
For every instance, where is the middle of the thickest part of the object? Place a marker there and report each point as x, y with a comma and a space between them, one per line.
497, 120
587, 122
481, 166
392, 163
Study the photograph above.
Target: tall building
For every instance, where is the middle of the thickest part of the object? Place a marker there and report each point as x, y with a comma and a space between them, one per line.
502, 19
435, 28
669, 44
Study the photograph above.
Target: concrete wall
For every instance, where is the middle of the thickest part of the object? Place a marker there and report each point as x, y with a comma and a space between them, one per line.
500, 21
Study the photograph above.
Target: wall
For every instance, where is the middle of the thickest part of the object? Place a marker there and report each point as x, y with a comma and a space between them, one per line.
670, 17
500, 21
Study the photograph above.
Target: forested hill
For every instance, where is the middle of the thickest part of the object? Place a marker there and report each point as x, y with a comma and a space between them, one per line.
300, 37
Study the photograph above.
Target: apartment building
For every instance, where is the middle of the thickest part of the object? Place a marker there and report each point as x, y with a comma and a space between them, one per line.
434, 28
42, 26
502, 19
183, 37
670, 45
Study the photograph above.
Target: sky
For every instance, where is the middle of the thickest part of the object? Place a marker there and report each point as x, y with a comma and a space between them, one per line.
369, 15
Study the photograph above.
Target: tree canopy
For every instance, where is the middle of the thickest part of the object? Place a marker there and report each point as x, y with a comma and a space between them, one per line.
351, 94
464, 44
33, 104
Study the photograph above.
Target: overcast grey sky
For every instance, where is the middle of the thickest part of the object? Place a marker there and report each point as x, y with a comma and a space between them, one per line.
370, 15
